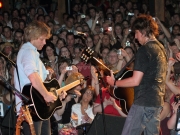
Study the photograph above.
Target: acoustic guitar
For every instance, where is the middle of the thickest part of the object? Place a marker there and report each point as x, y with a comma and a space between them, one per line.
40, 109
24, 116
125, 95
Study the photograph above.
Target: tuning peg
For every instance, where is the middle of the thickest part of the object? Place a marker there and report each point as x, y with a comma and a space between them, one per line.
87, 58
87, 49
91, 52
83, 56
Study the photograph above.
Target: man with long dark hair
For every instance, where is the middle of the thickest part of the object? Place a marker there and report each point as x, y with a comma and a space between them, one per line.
148, 79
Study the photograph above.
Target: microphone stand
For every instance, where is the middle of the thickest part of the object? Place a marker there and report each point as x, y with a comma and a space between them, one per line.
101, 99
26, 99
15, 65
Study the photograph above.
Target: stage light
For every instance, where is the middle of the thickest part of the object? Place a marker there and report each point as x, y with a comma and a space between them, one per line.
1, 4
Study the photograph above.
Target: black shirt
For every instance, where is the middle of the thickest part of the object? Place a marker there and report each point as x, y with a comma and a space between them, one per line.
67, 112
151, 60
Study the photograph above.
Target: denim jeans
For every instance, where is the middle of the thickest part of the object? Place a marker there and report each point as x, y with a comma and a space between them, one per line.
41, 128
141, 118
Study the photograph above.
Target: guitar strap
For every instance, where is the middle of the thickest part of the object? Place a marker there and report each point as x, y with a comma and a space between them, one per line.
18, 78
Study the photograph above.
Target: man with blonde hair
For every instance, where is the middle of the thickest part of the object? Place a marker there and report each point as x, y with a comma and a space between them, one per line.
31, 70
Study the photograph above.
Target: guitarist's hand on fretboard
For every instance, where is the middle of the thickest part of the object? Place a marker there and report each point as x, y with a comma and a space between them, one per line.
62, 95
110, 79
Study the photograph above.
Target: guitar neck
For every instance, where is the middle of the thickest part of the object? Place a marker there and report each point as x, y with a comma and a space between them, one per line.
18, 127
88, 55
68, 87
101, 66
32, 129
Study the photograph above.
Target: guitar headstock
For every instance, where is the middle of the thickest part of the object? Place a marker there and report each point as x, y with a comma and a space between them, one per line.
26, 114
87, 54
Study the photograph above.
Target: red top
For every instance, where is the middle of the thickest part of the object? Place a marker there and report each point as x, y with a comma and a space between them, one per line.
85, 70
109, 109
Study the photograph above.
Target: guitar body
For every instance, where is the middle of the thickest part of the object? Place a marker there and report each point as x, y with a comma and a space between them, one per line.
125, 95
40, 109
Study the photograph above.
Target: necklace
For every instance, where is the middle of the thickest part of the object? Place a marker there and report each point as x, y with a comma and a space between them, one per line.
148, 40
83, 109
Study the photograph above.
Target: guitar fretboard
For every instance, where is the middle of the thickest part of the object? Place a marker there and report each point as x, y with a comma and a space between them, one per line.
68, 87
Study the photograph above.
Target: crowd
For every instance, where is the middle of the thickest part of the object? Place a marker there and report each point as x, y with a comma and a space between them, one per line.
105, 28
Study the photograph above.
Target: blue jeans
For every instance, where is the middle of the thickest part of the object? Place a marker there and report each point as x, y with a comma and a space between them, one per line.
41, 128
141, 119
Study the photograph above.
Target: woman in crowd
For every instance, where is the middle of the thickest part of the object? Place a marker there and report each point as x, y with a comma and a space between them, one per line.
60, 43
111, 106
82, 111
49, 53
64, 52
130, 52
62, 64
77, 53
71, 99
89, 42
62, 34
103, 54
4, 92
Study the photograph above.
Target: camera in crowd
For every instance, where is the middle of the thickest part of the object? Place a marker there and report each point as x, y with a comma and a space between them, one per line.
109, 28
72, 95
128, 43
177, 98
83, 16
119, 52
69, 68
106, 30
130, 14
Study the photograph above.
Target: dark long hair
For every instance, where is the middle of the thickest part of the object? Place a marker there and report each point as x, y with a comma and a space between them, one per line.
51, 45
145, 23
70, 55
89, 87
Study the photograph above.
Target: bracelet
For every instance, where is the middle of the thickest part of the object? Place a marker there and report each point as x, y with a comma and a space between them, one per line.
174, 112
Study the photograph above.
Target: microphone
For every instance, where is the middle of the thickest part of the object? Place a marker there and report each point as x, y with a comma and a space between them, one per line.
72, 95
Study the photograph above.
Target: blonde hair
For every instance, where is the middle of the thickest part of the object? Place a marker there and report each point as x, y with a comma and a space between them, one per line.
36, 29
